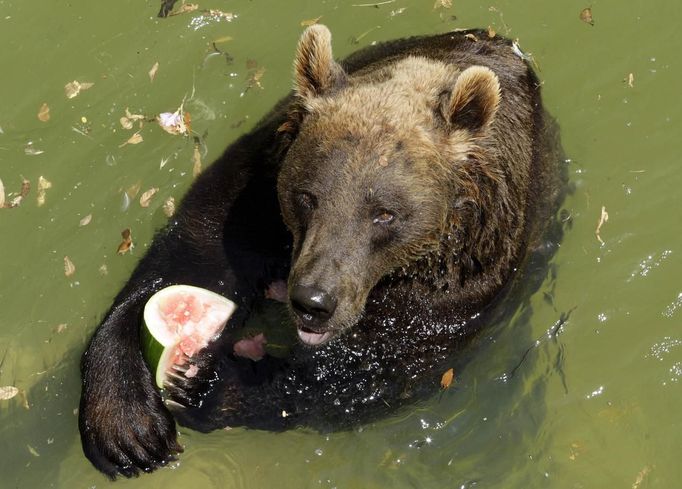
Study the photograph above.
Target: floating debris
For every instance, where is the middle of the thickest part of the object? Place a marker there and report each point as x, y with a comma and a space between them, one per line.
8, 392
169, 207
69, 267
43, 185
85, 221
72, 89
153, 70
129, 119
134, 139
2, 195
491, 32
44, 112
447, 378
631, 80
146, 197
127, 243
309, 22
196, 158
604, 218
184, 9
586, 16
30, 150
442, 4
176, 123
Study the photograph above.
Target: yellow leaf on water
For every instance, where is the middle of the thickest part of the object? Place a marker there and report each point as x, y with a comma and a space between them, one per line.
309, 22
196, 160
184, 8
85, 221
69, 267
447, 378
43, 185
44, 113
153, 70
8, 392
169, 207
127, 243
72, 89
134, 139
146, 197
586, 16
631, 80
33, 451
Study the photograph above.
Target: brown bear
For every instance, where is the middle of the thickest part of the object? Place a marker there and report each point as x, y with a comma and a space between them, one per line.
396, 192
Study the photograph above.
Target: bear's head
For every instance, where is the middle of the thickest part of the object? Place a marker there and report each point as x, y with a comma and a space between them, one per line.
370, 182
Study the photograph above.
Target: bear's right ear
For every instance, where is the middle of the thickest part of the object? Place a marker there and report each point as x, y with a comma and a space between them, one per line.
474, 100
315, 71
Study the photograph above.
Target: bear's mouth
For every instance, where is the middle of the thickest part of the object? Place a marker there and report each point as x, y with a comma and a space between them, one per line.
311, 337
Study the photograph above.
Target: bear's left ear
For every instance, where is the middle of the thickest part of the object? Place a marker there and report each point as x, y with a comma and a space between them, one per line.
315, 71
474, 100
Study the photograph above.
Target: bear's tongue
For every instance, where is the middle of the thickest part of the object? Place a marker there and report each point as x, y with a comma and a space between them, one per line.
311, 338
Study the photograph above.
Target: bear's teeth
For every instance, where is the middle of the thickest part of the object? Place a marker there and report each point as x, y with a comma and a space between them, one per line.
311, 338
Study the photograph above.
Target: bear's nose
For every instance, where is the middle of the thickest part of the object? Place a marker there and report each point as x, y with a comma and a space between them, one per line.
312, 305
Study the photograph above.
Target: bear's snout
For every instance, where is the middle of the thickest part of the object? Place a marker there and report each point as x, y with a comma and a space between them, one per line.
314, 306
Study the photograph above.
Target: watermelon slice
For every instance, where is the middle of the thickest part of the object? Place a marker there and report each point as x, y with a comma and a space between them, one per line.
179, 321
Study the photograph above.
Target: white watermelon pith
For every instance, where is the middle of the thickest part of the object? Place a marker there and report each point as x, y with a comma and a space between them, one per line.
179, 321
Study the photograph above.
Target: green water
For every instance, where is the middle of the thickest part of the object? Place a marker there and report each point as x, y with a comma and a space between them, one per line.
599, 405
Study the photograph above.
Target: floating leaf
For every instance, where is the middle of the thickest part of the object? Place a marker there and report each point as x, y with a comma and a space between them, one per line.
2, 195
33, 451
134, 139
185, 8
586, 16
176, 123
72, 89
309, 22
631, 80
196, 160
146, 197
219, 14
169, 207
153, 70
31, 151
44, 112
447, 378
129, 119
69, 267
43, 185
603, 218
443, 4
60, 328
8, 392
85, 221
127, 243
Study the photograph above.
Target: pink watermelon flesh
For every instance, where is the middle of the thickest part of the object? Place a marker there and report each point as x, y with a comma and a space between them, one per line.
183, 320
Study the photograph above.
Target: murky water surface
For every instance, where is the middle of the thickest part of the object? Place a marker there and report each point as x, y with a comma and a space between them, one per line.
596, 405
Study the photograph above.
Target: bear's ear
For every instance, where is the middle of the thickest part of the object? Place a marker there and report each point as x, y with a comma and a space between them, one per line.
474, 100
315, 71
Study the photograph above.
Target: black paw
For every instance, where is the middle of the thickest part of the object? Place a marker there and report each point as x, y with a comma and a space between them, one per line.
188, 385
126, 430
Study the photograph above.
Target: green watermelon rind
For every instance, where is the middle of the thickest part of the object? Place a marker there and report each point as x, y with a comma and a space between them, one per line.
158, 345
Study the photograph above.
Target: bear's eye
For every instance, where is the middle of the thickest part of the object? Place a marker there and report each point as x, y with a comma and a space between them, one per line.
384, 217
305, 201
